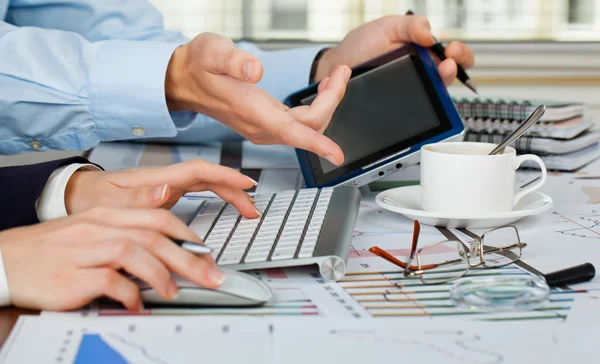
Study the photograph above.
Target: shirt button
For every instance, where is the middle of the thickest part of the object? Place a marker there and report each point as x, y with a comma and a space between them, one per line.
35, 145
137, 131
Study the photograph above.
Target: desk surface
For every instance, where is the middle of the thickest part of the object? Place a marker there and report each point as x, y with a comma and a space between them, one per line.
8, 318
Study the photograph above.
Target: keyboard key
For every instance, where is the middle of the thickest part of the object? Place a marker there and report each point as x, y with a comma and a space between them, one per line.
211, 207
305, 254
262, 245
281, 254
260, 249
255, 258
235, 249
306, 250
202, 223
288, 243
230, 258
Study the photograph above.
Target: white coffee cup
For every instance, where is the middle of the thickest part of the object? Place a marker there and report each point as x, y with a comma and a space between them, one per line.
462, 179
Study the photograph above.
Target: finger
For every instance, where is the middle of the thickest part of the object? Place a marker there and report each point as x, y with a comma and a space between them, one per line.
97, 282
200, 269
319, 113
461, 54
239, 199
323, 84
157, 220
224, 58
448, 70
122, 253
141, 197
411, 28
185, 174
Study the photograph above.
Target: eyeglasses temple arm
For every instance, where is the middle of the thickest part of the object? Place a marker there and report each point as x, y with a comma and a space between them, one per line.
387, 256
390, 258
415, 239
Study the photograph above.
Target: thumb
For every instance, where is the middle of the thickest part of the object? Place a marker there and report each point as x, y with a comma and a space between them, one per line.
225, 59
147, 196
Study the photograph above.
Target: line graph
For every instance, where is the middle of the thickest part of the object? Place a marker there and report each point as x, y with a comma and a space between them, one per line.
584, 225
447, 344
97, 348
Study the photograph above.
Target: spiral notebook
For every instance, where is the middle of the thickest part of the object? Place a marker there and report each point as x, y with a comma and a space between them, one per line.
542, 146
501, 108
570, 161
566, 129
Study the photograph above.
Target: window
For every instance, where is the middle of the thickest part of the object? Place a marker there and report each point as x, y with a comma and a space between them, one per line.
330, 20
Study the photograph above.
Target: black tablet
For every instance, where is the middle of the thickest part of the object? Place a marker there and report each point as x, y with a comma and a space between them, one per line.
393, 105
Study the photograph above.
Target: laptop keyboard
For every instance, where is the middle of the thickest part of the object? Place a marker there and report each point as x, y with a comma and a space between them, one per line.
289, 227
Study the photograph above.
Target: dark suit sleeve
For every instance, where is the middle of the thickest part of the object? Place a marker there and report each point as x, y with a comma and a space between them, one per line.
21, 186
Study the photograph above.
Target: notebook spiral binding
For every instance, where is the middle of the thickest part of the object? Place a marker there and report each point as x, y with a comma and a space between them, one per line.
504, 126
522, 145
478, 107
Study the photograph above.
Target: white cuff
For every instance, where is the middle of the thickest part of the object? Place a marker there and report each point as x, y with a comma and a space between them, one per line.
4, 291
51, 203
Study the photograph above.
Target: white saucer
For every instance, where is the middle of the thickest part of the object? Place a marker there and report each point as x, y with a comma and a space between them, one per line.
407, 202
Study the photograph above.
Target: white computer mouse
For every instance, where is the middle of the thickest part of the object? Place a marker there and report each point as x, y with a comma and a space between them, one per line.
238, 289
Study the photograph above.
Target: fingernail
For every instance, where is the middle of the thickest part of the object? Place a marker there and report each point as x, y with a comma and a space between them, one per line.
173, 290
215, 276
458, 51
141, 306
159, 192
253, 181
252, 200
347, 73
258, 212
330, 158
249, 69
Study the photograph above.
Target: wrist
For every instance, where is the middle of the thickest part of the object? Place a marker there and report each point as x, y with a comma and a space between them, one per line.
73, 186
175, 81
77, 192
325, 64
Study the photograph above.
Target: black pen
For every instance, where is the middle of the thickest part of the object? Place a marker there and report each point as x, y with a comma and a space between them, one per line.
577, 274
439, 50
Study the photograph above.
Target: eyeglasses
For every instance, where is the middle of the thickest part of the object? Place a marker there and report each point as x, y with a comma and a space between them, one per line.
433, 265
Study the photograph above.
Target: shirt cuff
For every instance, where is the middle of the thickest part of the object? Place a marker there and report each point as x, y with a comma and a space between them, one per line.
127, 90
5, 299
51, 203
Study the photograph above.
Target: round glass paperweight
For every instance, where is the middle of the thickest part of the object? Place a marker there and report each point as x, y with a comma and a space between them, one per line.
500, 293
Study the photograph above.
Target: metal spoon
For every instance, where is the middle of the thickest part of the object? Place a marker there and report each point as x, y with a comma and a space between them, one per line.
528, 123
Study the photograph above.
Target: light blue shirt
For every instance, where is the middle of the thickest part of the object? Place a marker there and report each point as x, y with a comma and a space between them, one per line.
74, 73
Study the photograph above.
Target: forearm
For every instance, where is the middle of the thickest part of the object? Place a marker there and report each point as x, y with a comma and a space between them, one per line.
58, 91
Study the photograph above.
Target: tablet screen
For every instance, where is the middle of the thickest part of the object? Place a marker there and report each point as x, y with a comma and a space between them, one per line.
381, 108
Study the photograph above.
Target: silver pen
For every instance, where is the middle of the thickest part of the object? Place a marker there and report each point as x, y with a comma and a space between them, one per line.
194, 247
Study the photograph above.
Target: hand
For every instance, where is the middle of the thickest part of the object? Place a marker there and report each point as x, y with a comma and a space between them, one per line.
211, 76
157, 187
66, 263
386, 34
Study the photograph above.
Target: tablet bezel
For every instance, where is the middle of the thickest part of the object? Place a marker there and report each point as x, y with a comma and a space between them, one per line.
451, 125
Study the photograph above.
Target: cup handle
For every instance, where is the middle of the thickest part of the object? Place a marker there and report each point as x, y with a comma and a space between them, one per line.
523, 191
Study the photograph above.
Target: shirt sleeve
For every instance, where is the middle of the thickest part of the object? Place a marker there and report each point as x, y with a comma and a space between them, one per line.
51, 203
83, 92
110, 84
5, 299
